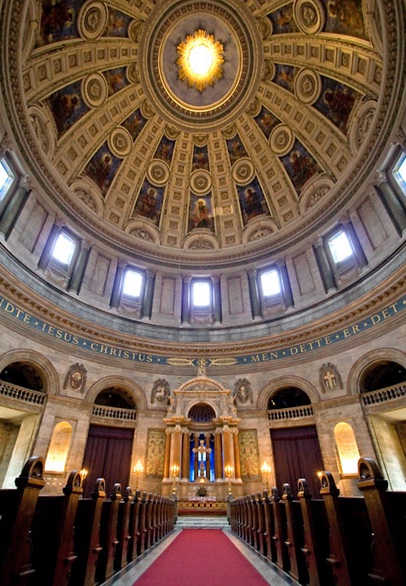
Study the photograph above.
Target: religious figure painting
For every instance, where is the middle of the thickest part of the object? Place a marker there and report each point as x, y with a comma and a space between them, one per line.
285, 76
300, 165
336, 102
252, 201
117, 24
165, 150
67, 107
200, 213
149, 202
249, 454
236, 149
58, 21
200, 158
283, 20
345, 17
102, 168
134, 123
266, 121
155, 452
116, 79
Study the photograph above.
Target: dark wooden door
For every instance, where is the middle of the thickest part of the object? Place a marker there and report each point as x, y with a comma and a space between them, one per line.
108, 455
297, 455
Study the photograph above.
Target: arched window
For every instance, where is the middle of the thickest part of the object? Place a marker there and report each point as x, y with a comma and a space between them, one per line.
347, 448
59, 447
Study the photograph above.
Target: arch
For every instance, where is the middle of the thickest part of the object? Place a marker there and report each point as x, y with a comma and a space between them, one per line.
347, 447
126, 384
281, 383
59, 447
49, 376
201, 413
364, 363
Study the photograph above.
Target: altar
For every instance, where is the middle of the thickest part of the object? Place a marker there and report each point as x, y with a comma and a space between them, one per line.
202, 451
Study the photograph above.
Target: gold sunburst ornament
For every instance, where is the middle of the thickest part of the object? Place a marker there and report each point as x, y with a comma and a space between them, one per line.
200, 60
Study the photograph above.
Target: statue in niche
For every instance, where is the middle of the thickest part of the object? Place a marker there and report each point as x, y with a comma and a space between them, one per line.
243, 391
160, 391
76, 378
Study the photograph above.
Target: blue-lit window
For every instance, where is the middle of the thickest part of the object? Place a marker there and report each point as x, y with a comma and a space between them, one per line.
64, 249
132, 284
399, 173
270, 283
6, 178
340, 247
201, 294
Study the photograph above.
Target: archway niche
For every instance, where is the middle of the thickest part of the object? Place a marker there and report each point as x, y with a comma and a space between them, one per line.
59, 447
381, 375
288, 397
23, 374
347, 448
115, 397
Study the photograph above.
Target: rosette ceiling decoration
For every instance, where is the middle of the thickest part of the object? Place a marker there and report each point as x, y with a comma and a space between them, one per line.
260, 147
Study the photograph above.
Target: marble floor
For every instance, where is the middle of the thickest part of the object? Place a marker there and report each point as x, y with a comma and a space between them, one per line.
133, 571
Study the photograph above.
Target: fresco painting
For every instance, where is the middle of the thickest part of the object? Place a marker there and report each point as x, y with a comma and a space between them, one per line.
149, 202
236, 149
134, 123
102, 168
200, 212
285, 76
67, 107
336, 102
165, 150
300, 166
345, 17
116, 79
283, 20
117, 24
58, 21
252, 201
200, 158
266, 121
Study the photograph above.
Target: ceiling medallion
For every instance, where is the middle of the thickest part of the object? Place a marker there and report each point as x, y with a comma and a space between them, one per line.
200, 60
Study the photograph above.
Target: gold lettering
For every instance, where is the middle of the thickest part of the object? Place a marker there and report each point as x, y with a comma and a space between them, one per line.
264, 357
385, 313
328, 340
294, 350
9, 307
375, 319
346, 333
355, 329
255, 358
27, 318
94, 346
75, 340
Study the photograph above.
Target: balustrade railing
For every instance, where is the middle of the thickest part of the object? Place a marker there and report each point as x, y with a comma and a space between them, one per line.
114, 413
290, 413
22, 394
384, 395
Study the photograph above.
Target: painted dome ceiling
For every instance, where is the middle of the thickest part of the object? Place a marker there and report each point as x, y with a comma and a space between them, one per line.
267, 147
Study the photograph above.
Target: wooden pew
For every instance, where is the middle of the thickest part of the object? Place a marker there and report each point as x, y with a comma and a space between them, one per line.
294, 536
387, 513
17, 507
52, 534
123, 530
280, 531
316, 537
108, 535
142, 525
271, 552
133, 528
87, 536
350, 534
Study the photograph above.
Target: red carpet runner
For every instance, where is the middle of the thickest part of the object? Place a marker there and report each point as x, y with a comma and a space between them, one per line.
201, 557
